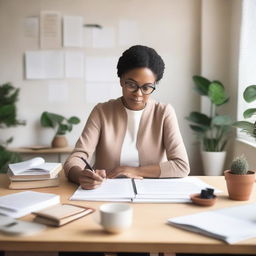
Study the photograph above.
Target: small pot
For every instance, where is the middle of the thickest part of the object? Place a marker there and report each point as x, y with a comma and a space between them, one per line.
59, 141
196, 199
239, 186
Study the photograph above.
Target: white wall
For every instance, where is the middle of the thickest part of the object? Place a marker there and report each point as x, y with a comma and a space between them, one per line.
171, 27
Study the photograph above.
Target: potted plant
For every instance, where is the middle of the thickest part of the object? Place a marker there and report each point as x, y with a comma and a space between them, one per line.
239, 179
246, 126
212, 130
8, 118
61, 124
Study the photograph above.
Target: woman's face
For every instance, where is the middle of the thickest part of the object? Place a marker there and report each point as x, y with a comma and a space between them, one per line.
133, 97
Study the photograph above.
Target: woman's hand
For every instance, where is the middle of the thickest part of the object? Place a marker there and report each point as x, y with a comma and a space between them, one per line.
129, 172
91, 180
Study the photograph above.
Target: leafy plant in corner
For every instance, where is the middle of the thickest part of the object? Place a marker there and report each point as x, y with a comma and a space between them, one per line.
8, 118
246, 126
62, 124
211, 130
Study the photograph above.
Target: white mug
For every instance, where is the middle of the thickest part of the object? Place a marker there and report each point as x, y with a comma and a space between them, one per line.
115, 217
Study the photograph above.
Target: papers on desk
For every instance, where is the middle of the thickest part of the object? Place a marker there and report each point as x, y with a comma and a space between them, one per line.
231, 224
20, 204
144, 191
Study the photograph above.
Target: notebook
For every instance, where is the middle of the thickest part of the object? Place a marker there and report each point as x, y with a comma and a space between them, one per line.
29, 184
61, 214
231, 224
35, 168
20, 204
145, 190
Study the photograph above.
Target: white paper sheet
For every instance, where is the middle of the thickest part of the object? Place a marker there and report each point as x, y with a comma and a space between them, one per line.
101, 69
147, 190
229, 224
100, 92
104, 37
58, 91
31, 27
73, 31
87, 36
44, 64
74, 64
116, 189
50, 29
128, 33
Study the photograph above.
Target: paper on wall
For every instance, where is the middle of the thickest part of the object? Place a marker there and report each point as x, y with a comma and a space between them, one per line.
128, 32
87, 36
44, 64
74, 64
73, 31
101, 69
31, 27
100, 92
50, 29
103, 38
58, 91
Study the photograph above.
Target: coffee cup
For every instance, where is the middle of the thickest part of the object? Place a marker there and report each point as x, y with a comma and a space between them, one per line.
115, 217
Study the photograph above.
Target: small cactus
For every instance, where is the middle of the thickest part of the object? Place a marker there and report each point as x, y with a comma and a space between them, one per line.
239, 165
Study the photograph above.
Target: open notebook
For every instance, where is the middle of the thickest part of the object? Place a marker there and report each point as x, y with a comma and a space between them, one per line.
145, 190
231, 224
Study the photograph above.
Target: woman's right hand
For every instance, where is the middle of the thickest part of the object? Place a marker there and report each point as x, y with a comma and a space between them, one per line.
91, 180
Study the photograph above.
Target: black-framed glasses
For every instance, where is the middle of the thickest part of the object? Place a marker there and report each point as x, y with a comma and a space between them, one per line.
132, 86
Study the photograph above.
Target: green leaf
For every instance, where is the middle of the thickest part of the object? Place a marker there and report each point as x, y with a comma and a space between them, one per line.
217, 94
222, 120
250, 93
46, 121
199, 118
249, 112
202, 85
247, 127
74, 120
198, 129
63, 128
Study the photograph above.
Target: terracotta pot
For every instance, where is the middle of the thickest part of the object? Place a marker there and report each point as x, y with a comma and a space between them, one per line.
59, 141
239, 186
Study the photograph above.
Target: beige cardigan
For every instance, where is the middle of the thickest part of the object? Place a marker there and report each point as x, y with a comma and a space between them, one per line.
158, 134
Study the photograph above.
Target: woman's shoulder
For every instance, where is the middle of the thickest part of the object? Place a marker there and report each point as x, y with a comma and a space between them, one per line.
108, 106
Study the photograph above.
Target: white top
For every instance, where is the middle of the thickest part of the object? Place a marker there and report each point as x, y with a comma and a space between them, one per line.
129, 152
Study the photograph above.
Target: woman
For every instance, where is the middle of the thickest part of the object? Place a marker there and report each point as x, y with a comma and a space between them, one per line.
132, 135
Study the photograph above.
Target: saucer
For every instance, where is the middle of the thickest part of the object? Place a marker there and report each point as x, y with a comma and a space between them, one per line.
196, 199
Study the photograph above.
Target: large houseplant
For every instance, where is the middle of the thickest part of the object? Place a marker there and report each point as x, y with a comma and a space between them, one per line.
8, 118
61, 124
246, 126
212, 130
239, 179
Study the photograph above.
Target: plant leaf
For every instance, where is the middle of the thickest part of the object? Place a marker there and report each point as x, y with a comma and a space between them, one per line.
217, 94
249, 112
199, 118
198, 129
202, 84
246, 127
250, 93
74, 120
222, 120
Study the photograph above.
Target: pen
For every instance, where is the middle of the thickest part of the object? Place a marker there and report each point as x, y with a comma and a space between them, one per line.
87, 165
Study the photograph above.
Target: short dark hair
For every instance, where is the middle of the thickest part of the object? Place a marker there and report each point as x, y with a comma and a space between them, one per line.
139, 56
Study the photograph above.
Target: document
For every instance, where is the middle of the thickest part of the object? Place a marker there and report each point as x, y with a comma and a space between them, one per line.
20, 204
231, 224
50, 29
145, 190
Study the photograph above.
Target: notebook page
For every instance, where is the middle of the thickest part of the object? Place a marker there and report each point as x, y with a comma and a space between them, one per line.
22, 166
218, 225
170, 188
111, 189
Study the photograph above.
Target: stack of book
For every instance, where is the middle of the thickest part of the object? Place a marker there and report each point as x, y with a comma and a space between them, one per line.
34, 173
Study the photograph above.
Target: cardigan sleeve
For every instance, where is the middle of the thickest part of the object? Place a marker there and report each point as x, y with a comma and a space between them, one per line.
86, 143
177, 164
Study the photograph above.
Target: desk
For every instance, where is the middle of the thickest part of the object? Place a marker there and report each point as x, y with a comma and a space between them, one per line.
58, 151
149, 232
